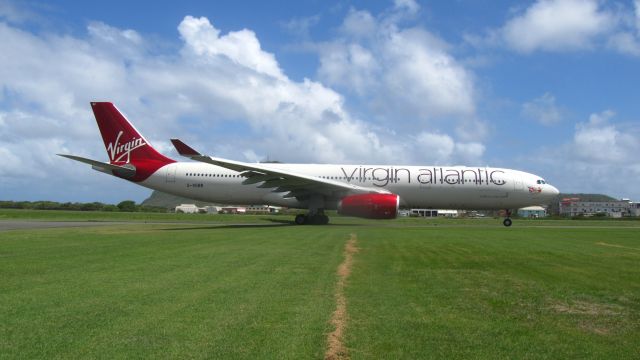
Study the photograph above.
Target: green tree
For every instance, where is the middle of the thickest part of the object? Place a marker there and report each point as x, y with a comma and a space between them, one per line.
127, 206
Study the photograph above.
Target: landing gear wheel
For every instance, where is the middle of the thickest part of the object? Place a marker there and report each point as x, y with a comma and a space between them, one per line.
301, 219
507, 222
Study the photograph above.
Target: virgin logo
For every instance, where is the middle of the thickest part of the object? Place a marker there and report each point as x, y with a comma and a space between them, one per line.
118, 151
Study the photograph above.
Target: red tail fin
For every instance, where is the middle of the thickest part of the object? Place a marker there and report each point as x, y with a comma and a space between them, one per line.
124, 144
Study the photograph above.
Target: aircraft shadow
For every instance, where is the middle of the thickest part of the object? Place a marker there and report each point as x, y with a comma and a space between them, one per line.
228, 226
273, 223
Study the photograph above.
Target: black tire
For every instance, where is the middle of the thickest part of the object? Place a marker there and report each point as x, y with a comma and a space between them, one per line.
301, 219
324, 219
507, 222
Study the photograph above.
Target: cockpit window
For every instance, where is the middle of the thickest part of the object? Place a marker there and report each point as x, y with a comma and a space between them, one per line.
540, 181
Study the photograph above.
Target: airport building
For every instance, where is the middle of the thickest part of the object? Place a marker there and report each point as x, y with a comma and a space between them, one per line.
634, 209
211, 209
187, 209
532, 212
615, 208
434, 213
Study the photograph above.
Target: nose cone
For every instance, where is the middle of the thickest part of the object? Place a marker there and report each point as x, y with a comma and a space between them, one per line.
550, 191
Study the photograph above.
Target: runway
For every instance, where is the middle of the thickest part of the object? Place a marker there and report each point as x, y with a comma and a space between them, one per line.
6, 225
32, 224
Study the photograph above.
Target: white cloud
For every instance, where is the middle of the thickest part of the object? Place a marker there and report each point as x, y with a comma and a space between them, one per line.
599, 142
410, 6
350, 65
566, 26
557, 25
301, 26
399, 72
422, 75
637, 8
251, 156
600, 158
241, 46
359, 24
543, 110
13, 14
626, 43
443, 149
469, 153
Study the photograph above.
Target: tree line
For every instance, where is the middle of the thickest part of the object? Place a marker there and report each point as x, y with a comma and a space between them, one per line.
123, 206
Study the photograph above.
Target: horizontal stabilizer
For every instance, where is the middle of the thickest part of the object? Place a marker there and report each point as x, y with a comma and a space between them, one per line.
184, 149
122, 171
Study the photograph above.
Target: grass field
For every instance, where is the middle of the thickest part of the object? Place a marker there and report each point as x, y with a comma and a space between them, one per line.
417, 289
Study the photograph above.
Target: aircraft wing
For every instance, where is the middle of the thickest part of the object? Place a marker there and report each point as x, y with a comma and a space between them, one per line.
280, 180
103, 167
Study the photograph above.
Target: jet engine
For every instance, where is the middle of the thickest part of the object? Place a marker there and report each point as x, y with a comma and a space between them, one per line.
370, 206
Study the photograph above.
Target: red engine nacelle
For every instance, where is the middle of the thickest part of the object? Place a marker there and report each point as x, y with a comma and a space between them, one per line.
370, 206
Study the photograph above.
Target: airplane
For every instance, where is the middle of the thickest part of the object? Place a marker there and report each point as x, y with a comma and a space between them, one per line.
366, 191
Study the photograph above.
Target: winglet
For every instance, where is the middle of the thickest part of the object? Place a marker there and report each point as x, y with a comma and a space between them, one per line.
184, 149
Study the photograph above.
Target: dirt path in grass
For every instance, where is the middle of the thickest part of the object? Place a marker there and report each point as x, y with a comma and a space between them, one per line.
335, 345
617, 246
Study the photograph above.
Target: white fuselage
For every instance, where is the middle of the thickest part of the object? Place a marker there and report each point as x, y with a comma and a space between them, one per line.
438, 187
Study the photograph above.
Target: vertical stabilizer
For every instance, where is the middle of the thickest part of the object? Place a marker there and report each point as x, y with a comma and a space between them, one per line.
124, 144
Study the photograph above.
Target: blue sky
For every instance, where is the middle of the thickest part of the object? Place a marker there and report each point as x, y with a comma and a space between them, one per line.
546, 86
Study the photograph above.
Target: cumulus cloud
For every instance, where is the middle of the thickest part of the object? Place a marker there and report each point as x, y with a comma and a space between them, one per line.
301, 26
565, 26
11, 13
637, 12
543, 110
410, 6
626, 43
442, 149
557, 25
351, 66
359, 24
601, 157
241, 46
597, 141
399, 71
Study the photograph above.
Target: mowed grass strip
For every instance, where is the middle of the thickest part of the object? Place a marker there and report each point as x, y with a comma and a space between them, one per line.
159, 292
495, 293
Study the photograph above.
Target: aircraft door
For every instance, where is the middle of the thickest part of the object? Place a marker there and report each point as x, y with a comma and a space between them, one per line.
171, 173
517, 183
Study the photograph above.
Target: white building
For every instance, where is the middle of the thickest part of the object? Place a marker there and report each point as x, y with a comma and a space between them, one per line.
532, 212
615, 208
188, 209
434, 213
210, 209
267, 209
634, 209
231, 209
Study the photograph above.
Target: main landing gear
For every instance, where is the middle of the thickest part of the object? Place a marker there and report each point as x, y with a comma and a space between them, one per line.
507, 222
318, 218
316, 215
